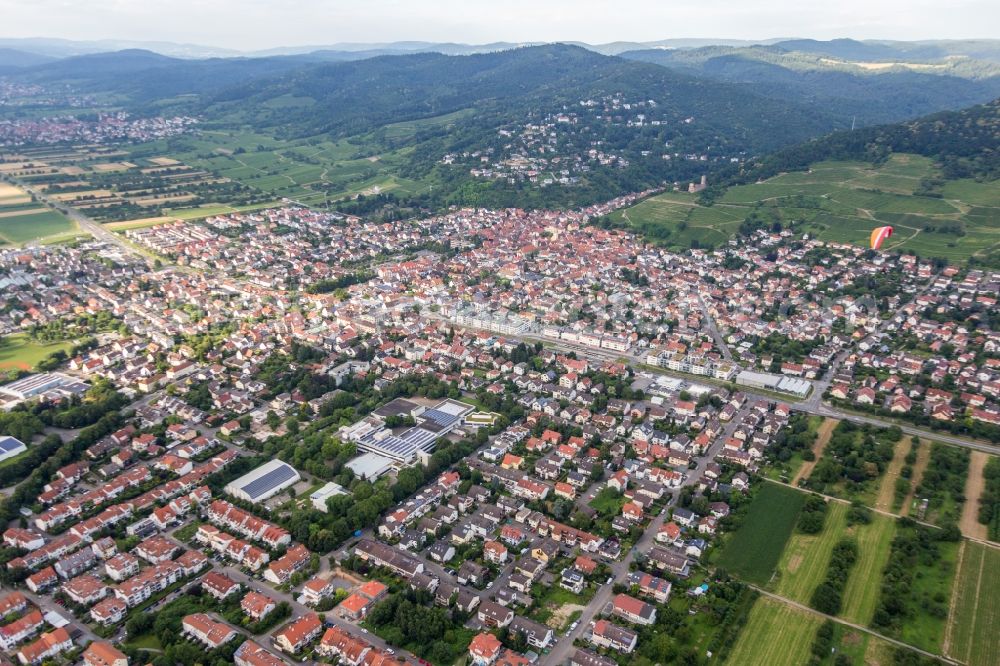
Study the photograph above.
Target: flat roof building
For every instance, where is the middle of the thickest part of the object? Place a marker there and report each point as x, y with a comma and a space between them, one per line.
10, 447
36, 385
781, 383
320, 497
370, 466
264, 482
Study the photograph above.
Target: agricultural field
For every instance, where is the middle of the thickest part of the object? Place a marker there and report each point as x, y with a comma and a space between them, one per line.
942, 485
22, 220
18, 352
975, 487
916, 586
862, 648
112, 184
754, 549
974, 623
853, 462
861, 592
805, 559
838, 202
775, 635
311, 171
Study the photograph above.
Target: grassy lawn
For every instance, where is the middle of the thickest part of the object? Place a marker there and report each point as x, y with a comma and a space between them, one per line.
775, 635
558, 607
862, 589
841, 202
19, 352
19, 229
974, 625
805, 559
754, 549
608, 502
862, 648
145, 642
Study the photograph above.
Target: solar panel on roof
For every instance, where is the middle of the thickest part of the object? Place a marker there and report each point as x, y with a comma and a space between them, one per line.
272, 479
443, 419
8, 444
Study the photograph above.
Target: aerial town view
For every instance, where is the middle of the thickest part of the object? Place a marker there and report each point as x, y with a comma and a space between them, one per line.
321, 345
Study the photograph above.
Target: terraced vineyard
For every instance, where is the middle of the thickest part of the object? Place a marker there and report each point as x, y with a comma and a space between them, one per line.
839, 202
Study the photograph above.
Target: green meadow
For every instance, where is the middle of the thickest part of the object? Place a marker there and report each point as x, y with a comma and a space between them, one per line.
839, 202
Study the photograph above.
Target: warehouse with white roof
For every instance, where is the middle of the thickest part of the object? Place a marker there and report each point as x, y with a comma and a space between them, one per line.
264, 482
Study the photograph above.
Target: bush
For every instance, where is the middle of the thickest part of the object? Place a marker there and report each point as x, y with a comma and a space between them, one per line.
813, 515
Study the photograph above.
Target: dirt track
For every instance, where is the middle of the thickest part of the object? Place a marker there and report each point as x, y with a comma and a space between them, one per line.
969, 524
823, 434
887, 490
923, 458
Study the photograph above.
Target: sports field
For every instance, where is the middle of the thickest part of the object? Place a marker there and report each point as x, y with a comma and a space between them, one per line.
22, 220
974, 622
839, 202
17, 352
865, 580
805, 559
753, 551
775, 635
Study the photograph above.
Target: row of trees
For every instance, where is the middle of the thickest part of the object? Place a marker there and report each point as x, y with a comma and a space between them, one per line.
828, 595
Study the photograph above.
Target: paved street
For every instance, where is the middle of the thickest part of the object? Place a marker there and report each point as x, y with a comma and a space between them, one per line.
564, 649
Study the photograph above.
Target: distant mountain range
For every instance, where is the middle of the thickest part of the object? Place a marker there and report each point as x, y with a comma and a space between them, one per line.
868, 50
718, 104
840, 82
872, 83
297, 96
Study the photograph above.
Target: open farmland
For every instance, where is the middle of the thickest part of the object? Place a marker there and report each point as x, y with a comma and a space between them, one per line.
111, 184
974, 623
861, 592
839, 202
310, 171
775, 635
805, 559
916, 586
22, 220
752, 552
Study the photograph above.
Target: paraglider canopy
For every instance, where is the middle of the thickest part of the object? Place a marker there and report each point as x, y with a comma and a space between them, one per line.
879, 236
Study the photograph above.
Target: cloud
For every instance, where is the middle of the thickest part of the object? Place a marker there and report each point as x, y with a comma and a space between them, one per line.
258, 24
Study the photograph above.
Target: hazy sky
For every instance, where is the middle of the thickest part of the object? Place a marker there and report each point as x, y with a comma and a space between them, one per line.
258, 24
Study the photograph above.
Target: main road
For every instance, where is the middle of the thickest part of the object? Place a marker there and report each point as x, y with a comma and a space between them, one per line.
95, 229
561, 653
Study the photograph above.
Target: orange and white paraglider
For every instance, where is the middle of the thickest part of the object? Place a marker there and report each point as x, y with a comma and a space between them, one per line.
879, 236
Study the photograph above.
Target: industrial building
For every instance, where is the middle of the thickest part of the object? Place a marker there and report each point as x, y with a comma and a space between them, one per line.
34, 386
264, 482
372, 436
781, 383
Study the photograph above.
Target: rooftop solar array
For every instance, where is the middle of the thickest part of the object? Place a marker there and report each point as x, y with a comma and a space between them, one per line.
8, 444
402, 447
436, 420
268, 481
